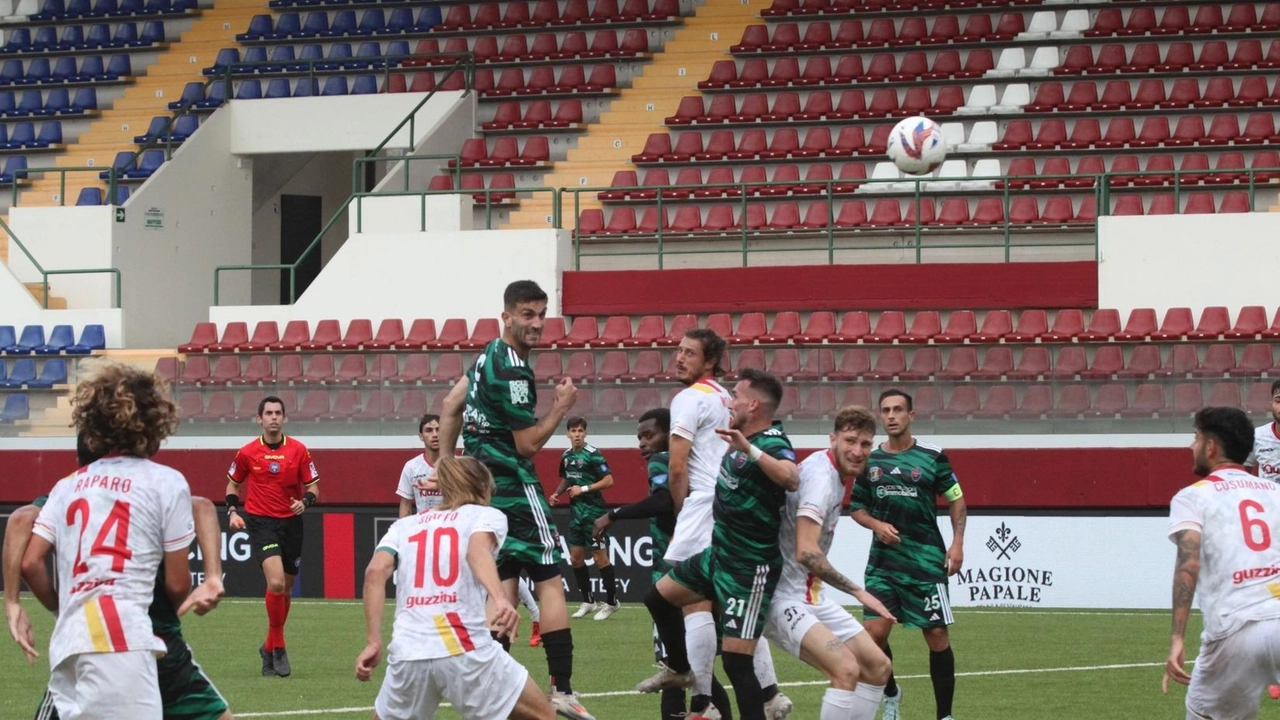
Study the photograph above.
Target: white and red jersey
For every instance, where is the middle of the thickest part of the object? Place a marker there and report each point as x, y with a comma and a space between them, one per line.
696, 412
1238, 518
417, 470
111, 524
440, 605
1266, 452
818, 498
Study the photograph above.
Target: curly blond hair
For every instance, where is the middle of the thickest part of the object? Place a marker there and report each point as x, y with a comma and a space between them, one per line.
119, 408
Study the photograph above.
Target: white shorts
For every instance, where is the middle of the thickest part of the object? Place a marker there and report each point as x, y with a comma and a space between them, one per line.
789, 621
1232, 673
106, 686
693, 528
413, 689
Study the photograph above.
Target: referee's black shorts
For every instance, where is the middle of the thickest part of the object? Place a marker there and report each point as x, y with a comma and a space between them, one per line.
276, 537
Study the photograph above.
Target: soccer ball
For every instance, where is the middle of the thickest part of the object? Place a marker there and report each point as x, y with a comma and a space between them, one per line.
916, 146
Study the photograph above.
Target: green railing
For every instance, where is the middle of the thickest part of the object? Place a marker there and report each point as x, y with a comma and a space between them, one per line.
112, 180
462, 62
44, 274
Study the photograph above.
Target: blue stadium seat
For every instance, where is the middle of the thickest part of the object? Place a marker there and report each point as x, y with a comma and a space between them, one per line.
253, 55
124, 161
23, 135
89, 196
340, 54
181, 6
86, 99
57, 102
336, 85
366, 50
158, 7
226, 58
131, 7
152, 33
99, 37
400, 21
249, 90
50, 134
32, 336
7, 336
397, 47
316, 24
259, 28
11, 72
22, 372
16, 408
122, 194
287, 26
46, 38
310, 51
372, 22
53, 373
148, 163
344, 23
185, 126
64, 70
19, 40
31, 103
8, 107
79, 9
90, 70
365, 85
4, 133
50, 10
106, 8
60, 338
92, 337
306, 87
192, 92
126, 35
72, 38
12, 167
155, 130
278, 88
214, 99
119, 67
37, 72
428, 18
281, 56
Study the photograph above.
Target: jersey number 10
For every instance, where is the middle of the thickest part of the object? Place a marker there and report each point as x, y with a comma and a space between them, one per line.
118, 551
441, 577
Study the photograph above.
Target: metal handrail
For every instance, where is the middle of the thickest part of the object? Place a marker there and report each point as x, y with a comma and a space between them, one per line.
62, 180
466, 63
44, 274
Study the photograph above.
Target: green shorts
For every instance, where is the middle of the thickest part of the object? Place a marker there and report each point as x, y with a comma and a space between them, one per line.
916, 604
531, 536
741, 594
184, 690
580, 529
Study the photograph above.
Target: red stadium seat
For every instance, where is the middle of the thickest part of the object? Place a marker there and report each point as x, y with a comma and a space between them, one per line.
995, 325
416, 370
1036, 402
786, 325
1225, 394
1140, 326
328, 332
960, 325
320, 370
194, 371
856, 325
1067, 325
449, 369
226, 370
288, 370
785, 363
1072, 402
924, 326
963, 403
750, 327
647, 366
961, 363
820, 326
1033, 363
1144, 363
1219, 360
390, 332
257, 371
925, 363
359, 331
996, 363
889, 327
1250, 323
204, 335
649, 330
581, 366
818, 365
1104, 325
234, 337
855, 364
616, 330
1255, 360
1107, 362
583, 331
1031, 325
1068, 363
679, 325
889, 363
1148, 401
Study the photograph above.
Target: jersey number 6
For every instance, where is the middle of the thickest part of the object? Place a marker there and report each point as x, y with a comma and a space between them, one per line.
1254, 525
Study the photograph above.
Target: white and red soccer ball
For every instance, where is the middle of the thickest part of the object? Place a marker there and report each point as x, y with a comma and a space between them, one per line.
916, 146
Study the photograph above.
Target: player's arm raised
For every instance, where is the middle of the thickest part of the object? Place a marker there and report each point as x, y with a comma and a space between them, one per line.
17, 533
480, 552
375, 597
1186, 574
451, 416
531, 439
809, 554
781, 472
208, 594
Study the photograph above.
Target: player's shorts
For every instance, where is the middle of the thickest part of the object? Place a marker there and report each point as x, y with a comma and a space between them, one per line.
276, 537
693, 528
531, 536
741, 594
107, 686
580, 530
482, 684
1231, 673
916, 604
790, 620
185, 691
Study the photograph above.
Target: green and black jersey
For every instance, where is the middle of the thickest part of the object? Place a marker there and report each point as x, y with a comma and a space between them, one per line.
500, 400
660, 527
584, 467
748, 505
902, 489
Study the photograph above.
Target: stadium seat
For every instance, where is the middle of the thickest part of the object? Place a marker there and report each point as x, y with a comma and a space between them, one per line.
485, 331
448, 369
320, 370
421, 333
225, 370
924, 326
1219, 360
1103, 326
193, 371
995, 325
328, 333
452, 332
1225, 394
92, 337
288, 369
1143, 363
1257, 399
855, 364
580, 366
257, 371
204, 335
751, 326
925, 363
60, 338
1139, 327
296, 332
351, 369
889, 363
890, 326
1032, 324
583, 330
1108, 360
1250, 323
960, 325
786, 325
854, 326
234, 336
415, 371
784, 364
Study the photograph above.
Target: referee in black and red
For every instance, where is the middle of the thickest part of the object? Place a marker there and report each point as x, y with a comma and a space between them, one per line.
280, 482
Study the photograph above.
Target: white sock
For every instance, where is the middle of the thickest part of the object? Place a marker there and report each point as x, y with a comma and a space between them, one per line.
866, 701
700, 644
526, 599
838, 705
764, 664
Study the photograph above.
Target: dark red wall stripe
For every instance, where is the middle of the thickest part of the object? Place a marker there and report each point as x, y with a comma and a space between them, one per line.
339, 556
1106, 478
832, 287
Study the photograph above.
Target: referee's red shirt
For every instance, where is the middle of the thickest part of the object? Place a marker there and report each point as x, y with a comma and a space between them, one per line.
277, 477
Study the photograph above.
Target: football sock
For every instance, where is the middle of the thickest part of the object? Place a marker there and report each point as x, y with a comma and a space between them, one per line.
700, 639
891, 687
526, 599
671, 630
764, 670
559, 646
584, 583
503, 640
740, 668
699, 703
672, 704
942, 670
610, 585
277, 611
866, 701
720, 697
837, 705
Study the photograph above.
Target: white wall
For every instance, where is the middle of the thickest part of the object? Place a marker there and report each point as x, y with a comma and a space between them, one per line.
326, 124
414, 275
66, 238
204, 195
1189, 261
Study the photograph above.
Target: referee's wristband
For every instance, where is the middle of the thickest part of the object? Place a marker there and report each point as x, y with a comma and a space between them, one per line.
309, 499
